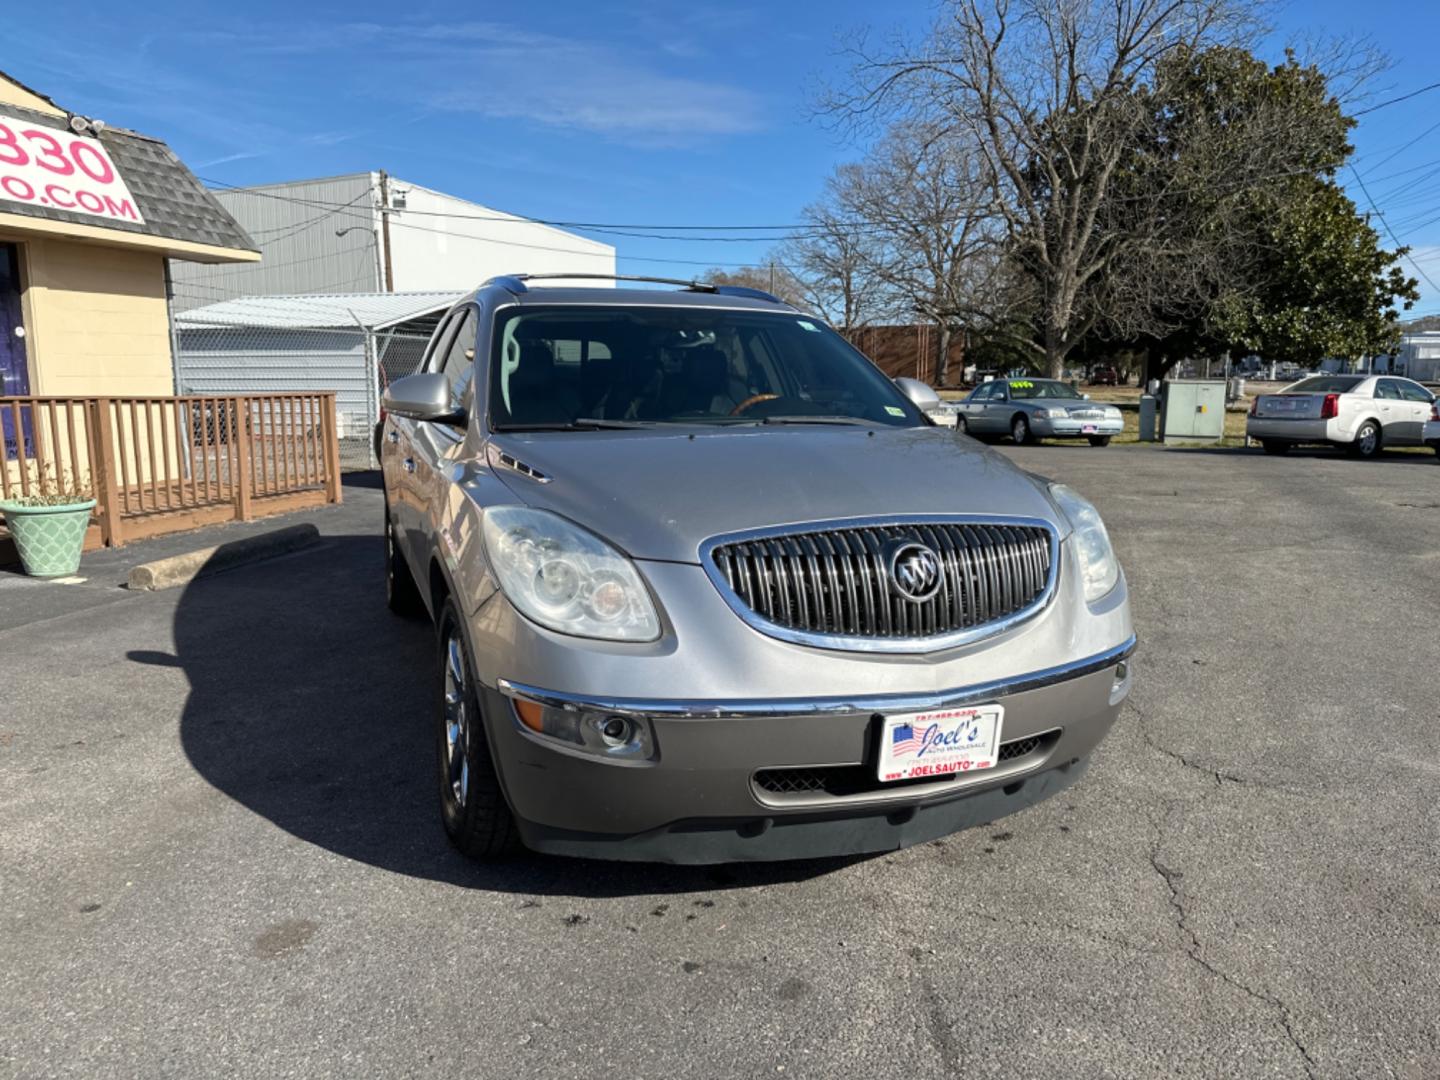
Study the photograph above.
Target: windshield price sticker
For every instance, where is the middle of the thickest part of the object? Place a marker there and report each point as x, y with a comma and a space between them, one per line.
940, 743
41, 166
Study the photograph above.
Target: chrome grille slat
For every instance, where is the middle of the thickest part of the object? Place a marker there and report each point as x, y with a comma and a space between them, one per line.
831, 581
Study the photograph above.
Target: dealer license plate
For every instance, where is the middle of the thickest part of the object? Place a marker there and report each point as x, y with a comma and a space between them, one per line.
1087, 429
940, 743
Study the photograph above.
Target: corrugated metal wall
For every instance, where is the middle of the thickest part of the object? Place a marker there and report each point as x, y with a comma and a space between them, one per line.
265, 360
246, 361
295, 225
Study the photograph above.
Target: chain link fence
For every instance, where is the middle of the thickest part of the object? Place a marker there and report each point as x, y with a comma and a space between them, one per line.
355, 364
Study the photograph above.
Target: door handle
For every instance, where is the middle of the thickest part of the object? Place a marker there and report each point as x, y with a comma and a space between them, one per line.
408, 464
394, 436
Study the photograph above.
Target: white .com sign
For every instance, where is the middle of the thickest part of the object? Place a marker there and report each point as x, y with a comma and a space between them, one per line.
42, 166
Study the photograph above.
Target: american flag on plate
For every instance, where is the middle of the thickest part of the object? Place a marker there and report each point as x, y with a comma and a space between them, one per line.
905, 739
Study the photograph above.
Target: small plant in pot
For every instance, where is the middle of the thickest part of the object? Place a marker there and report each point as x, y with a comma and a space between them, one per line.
48, 525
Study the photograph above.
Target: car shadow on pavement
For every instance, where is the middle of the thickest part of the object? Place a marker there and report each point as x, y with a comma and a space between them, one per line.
310, 705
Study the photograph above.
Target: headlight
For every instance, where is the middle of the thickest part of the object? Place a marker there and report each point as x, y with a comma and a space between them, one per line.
1053, 414
1090, 542
565, 578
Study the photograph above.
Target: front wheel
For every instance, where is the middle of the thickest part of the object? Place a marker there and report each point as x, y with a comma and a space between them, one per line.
1099, 440
961, 426
1367, 440
477, 818
1020, 431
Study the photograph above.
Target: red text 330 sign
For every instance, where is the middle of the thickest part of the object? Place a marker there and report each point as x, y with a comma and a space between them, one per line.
43, 166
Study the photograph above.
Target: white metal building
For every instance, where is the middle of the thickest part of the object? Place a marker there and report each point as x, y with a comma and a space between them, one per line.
371, 232
353, 344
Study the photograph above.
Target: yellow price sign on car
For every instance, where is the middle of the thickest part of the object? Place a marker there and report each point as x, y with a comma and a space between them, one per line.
1022, 385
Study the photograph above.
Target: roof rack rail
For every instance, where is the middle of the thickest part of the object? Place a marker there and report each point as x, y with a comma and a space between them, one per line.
515, 283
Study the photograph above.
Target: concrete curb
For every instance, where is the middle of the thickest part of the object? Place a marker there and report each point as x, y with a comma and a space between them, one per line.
183, 569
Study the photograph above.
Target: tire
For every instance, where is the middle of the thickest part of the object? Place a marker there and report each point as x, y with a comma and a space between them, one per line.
1275, 446
1367, 441
1020, 430
1099, 440
402, 595
473, 809
961, 427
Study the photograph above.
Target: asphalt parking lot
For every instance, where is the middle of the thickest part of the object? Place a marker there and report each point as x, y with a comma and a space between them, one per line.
219, 852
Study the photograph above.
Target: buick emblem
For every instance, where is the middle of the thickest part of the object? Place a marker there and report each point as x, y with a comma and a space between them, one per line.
914, 570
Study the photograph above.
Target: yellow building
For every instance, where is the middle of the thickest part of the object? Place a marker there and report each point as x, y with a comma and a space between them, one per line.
89, 216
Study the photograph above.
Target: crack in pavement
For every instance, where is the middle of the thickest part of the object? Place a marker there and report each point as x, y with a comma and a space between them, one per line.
1220, 776
1193, 950
1086, 931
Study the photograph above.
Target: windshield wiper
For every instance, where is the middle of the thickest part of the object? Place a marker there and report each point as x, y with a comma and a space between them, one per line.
846, 421
585, 423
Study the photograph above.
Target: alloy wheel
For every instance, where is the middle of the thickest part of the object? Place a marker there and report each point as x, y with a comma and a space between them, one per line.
457, 719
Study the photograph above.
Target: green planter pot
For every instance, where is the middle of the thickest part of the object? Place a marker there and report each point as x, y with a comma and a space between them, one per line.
49, 538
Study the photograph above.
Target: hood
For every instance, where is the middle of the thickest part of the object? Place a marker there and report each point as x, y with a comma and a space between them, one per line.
659, 494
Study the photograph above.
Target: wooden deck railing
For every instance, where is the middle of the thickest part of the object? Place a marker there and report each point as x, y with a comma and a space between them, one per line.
163, 464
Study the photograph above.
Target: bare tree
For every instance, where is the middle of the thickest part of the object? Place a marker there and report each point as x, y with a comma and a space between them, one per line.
771, 275
1045, 91
926, 206
833, 262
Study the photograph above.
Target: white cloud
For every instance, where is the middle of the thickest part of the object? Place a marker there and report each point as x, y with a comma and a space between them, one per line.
505, 72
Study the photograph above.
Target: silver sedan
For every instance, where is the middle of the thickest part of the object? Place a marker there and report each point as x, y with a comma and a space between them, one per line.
1030, 409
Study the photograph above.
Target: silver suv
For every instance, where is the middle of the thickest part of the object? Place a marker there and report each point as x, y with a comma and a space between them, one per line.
708, 586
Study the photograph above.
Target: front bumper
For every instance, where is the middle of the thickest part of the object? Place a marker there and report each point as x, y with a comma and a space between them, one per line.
699, 799
1076, 428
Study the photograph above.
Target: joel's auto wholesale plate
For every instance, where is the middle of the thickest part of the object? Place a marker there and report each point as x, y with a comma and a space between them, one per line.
1087, 429
940, 743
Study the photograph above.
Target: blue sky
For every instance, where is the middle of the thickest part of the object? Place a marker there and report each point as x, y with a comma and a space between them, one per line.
636, 111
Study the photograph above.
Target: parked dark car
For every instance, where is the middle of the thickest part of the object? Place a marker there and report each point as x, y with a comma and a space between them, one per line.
1104, 376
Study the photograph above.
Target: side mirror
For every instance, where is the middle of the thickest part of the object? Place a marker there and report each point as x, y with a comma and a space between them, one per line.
920, 394
424, 396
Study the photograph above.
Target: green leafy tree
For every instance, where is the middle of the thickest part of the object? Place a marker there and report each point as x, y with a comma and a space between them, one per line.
1324, 285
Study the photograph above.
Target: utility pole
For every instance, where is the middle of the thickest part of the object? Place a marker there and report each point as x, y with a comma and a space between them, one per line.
385, 229
772, 275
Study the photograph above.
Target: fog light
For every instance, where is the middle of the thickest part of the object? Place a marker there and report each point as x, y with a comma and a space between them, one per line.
1121, 671
616, 731
607, 735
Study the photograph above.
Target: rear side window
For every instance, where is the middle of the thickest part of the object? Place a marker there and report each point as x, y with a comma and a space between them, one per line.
1327, 384
1388, 389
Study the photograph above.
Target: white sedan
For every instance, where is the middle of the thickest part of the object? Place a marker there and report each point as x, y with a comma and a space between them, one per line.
1362, 413
1431, 434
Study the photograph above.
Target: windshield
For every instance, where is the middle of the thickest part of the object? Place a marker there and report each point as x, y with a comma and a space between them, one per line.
1326, 384
1040, 388
611, 366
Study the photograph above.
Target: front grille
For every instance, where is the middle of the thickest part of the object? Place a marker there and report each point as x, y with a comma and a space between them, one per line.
840, 780
834, 581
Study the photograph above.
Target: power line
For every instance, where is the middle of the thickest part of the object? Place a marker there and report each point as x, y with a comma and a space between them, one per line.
1397, 100
1418, 268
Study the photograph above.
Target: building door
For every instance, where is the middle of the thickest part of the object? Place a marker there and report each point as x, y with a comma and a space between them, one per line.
14, 373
